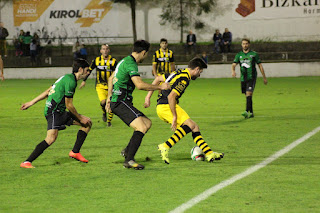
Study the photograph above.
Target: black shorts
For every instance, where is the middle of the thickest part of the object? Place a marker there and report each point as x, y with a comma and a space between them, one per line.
248, 86
125, 111
59, 120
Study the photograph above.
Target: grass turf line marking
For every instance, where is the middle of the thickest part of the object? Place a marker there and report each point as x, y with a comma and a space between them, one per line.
204, 195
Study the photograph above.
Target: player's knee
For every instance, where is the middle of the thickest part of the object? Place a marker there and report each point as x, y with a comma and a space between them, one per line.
103, 103
148, 124
144, 129
192, 125
50, 139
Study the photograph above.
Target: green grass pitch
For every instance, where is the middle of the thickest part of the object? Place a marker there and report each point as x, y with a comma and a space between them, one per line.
285, 110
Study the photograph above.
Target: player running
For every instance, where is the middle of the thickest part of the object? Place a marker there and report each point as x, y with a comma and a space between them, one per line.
122, 84
59, 98
105, 65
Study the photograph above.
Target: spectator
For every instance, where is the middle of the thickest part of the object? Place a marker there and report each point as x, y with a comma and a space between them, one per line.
217, 40
83, 52
20, 38
227, 39
48, 49
33, 51
191, 42
76, 50
17, 46
3, 43
36, 37
27, 38
204, 57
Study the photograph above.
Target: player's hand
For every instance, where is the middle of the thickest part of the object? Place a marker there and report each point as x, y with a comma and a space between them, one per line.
146, 102
85, 120
108, 108
83, 84
165, 86
265, 81
26, 105
174, 124
234, 74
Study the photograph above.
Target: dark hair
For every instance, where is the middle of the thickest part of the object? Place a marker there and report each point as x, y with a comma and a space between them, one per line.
79, 63
245, 39
197, 62
141, 45
163, 40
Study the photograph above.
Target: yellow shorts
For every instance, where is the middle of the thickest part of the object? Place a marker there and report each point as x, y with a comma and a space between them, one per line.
102, 91
165, 114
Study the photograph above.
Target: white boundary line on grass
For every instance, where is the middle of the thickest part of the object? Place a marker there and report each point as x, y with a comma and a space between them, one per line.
204, 195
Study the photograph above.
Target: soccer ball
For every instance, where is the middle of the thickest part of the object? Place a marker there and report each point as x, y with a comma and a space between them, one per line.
197, 154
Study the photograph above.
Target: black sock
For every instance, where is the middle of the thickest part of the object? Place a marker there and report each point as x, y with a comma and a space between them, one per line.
134, 145
249, 104
103, 107
80, 139
38, 151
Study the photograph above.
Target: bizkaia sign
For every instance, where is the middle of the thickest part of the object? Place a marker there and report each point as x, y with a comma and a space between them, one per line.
267, 9
31, 11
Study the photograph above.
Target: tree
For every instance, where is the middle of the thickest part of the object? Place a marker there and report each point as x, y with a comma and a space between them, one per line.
132, 4
185, 13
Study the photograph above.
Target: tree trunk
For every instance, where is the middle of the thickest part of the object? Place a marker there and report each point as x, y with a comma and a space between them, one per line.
181, 23
133, 18
146, 23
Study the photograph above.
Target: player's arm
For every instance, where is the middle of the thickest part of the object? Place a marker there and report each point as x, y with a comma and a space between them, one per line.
141, 85
1, 68
233, 69
265, 81
154, 70
36, 99
173, 66
172, 63
110, 88
154, 64
69, 105
156, 81
172, 104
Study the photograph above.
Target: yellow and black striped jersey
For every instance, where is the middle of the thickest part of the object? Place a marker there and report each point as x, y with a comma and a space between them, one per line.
163, 60
179, 80
104, 68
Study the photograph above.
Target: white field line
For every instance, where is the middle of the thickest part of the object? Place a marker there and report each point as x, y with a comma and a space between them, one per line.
204, 195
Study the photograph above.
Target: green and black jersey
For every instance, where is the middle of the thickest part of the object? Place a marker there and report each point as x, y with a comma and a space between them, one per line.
247, 63
104, 68
163, 61
179, 80
122, 84
65, 86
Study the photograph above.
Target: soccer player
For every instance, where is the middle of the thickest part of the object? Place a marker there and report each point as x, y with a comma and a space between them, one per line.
59, 98
122, 84
169, 111
105, 66
163, 59
248, 60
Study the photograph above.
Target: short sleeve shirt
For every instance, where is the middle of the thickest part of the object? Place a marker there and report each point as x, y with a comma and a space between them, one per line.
247, 63
163, 61
64, 87
123, 86
179, 81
